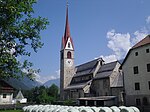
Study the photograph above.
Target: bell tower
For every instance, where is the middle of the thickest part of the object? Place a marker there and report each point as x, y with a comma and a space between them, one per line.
66, 59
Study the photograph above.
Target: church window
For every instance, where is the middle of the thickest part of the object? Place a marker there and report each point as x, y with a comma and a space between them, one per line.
62, 55
69, 55
68, 45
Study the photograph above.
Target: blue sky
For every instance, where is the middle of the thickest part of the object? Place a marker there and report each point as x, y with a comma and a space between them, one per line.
99, 28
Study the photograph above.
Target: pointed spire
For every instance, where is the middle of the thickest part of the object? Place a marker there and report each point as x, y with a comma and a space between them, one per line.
67, 34
67, 28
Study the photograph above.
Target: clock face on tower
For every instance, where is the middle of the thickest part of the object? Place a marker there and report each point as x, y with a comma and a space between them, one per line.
69, 62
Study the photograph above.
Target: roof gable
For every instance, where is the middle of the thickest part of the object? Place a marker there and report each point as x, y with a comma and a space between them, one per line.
69, 44
19, 95
107, 67
141, 43
5, 87
106, 70
4, 84
144, 41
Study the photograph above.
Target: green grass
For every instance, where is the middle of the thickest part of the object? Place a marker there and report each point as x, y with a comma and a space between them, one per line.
11, 111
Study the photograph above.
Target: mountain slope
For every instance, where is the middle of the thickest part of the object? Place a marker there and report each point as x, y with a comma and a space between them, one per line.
54, 81
23, 83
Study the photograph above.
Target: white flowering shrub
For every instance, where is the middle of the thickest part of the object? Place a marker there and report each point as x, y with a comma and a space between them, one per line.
115, 109
105, 109
59, 108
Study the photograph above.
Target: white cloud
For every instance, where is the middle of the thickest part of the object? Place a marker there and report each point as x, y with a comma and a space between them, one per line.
119, 43
148, 19
109, 58
139, 35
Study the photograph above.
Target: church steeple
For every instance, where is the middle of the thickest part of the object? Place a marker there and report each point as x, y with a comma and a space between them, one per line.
66, 59
67, 35
67, 28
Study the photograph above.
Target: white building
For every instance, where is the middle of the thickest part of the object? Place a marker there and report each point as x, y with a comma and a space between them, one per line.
6, 93
136, 70
20, 98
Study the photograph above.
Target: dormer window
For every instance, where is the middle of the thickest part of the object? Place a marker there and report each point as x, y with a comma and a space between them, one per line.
69, 55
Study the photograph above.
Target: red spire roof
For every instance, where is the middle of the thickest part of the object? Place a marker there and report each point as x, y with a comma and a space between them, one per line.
67, 31
67, 28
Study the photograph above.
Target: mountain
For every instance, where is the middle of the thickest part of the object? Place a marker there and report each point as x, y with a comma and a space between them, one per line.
23, 83
54, 81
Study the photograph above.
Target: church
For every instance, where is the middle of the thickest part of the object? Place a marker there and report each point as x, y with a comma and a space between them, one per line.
94, 83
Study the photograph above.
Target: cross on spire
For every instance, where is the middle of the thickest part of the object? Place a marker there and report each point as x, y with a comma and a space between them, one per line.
67, 3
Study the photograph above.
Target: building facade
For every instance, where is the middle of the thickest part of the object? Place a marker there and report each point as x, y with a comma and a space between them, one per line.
6, 93
88, 81
136, 71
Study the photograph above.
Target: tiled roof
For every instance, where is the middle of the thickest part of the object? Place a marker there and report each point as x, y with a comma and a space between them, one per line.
105, 70
107, 67
103, 75
87, 68
144, 41
78, 85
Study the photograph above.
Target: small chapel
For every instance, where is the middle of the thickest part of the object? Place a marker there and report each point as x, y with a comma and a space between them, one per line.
94, 83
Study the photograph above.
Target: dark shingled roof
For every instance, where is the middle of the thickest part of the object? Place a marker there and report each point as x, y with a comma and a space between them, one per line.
78, 85
105, 70
87, 68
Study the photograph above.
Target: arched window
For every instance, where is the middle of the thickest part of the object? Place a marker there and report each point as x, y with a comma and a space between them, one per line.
68, 45
69, 54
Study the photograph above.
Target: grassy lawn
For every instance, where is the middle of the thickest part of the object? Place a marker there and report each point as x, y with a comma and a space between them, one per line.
11, 111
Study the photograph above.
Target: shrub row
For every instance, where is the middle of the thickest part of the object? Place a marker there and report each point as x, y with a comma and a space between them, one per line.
59, 108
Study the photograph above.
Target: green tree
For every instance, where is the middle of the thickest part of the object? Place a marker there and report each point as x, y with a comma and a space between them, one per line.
19, 31
53, 91
43, 97
42, 94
